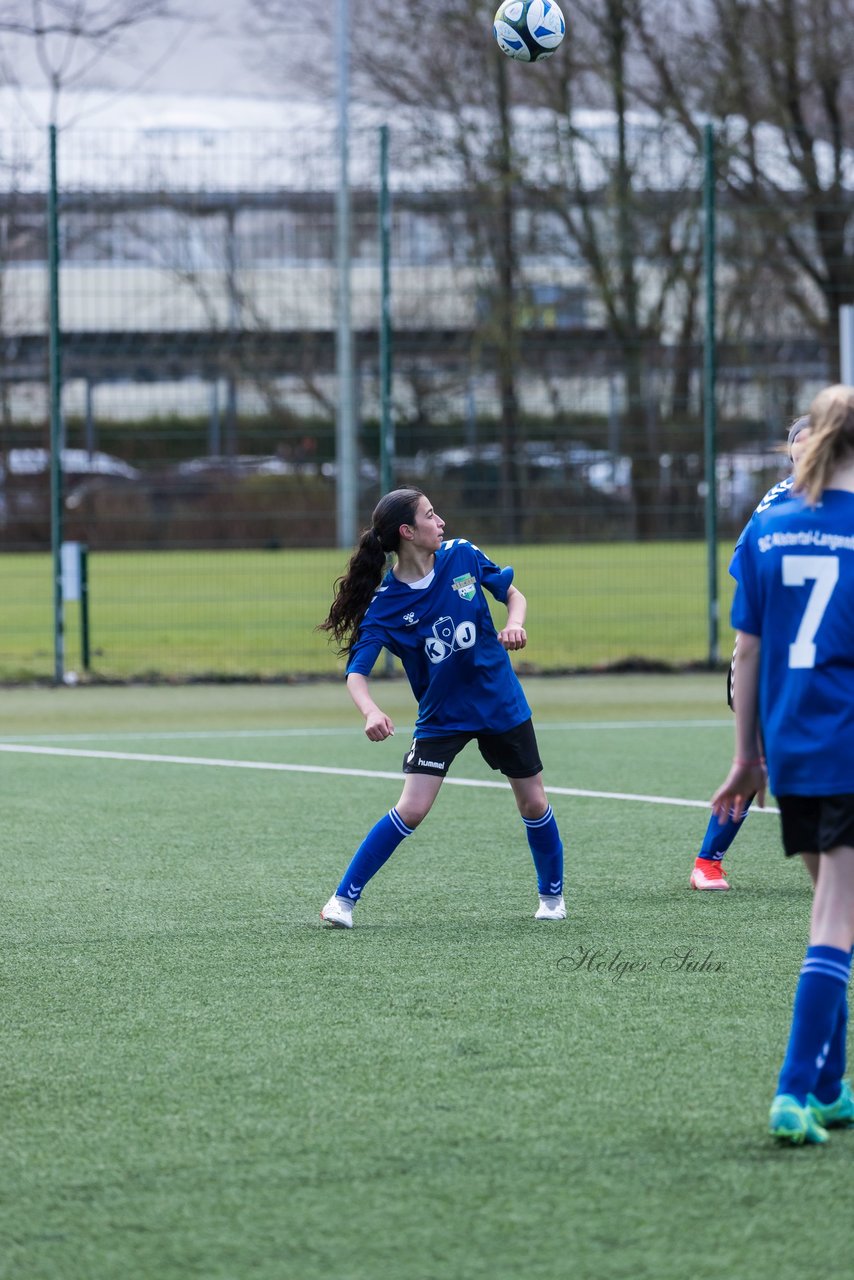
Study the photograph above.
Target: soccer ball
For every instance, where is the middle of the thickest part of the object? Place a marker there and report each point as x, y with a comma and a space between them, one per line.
529, 29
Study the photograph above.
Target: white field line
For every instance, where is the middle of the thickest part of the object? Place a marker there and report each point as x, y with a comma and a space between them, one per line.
206, 735
199, 735
211, 762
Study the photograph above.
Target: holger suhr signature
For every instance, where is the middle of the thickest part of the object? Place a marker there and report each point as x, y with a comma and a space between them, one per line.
615, 964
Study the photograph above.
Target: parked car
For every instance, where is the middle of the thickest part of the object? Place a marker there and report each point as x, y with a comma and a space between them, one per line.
74, 462
240, 465
606, 472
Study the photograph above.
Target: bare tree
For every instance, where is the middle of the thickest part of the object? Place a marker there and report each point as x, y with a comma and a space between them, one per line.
628, 196
463, 68
70, 37
636, 230
286, 54
778, 75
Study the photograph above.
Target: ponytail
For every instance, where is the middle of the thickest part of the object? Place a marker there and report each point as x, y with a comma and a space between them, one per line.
831, 441
357, 588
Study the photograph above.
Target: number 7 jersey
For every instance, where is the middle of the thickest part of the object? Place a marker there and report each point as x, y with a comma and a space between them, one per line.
795, 573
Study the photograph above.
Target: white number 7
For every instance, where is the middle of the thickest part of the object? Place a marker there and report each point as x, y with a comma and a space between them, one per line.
824, 572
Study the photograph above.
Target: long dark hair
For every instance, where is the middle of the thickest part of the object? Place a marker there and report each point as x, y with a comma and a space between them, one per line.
355, 590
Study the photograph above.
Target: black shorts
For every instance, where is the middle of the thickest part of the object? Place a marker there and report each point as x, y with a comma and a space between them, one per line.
514, 753
816, 824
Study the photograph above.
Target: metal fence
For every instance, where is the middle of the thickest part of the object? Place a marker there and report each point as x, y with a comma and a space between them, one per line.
198, 300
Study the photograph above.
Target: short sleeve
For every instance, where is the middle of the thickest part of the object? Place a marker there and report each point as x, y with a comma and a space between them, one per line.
365, 652
494, 580
746, 612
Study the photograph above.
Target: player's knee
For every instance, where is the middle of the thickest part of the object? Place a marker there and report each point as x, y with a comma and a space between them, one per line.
533, 807
413, 814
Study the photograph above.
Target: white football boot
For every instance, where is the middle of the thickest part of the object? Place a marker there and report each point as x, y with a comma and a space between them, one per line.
550, 908
338, 912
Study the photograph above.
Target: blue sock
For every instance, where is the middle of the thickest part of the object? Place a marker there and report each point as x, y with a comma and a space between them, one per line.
820, 993
376, 849
547, 851
719, 836
830, 1076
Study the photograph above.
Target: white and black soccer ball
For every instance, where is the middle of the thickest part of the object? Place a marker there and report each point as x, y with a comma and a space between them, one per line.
529, 29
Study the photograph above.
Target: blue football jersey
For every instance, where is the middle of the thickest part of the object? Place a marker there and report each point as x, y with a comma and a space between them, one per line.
783, 489
443, 633
777, 492
795, 574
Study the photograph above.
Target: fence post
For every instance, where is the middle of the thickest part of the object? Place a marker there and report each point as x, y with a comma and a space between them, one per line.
75, 586
710, 392
387, 441
345, 434
85, 651
846, 345
56, 432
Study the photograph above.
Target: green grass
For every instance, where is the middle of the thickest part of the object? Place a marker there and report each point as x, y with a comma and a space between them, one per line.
201, 1081
253, 613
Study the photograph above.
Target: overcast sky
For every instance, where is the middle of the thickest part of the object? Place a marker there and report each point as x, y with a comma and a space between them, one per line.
213, 55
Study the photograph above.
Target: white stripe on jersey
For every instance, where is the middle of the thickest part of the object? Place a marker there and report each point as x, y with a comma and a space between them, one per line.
780, 490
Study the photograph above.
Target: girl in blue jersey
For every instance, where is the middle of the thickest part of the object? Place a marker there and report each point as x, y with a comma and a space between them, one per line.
430, 611
708, 870
794, 693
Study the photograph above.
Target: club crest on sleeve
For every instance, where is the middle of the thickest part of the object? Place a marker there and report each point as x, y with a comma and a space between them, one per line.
464, 586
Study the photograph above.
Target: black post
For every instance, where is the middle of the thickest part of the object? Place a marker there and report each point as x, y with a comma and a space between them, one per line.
84, 606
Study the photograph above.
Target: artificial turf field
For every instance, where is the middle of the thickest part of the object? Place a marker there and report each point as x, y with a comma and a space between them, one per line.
201, 1080
181, 614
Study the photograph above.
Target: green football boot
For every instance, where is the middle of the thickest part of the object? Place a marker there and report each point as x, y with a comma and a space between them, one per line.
834, 1115
792, 1123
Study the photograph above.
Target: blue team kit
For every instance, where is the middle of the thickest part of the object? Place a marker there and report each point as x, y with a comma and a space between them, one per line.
795, 569
442, 631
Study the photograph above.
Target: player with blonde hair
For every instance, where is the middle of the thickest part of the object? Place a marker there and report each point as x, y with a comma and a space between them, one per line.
794, 699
